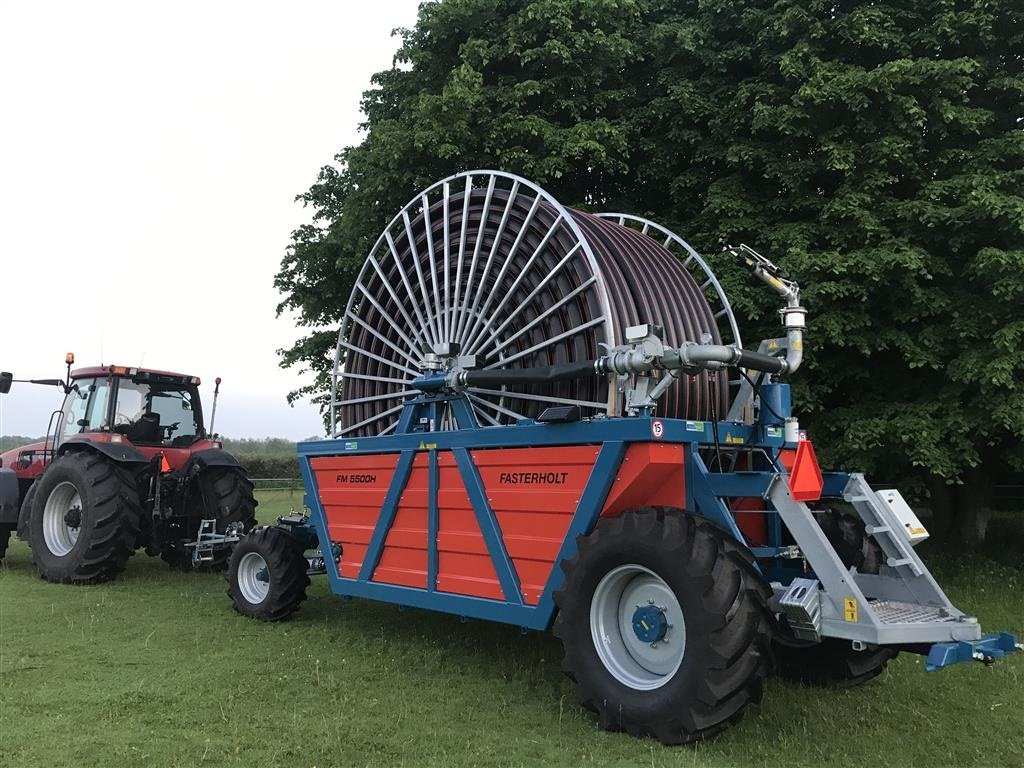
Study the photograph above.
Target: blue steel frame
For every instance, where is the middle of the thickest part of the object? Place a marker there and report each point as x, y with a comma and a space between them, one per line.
705, 491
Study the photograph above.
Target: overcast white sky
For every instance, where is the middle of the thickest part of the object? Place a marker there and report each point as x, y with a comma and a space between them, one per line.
149, 158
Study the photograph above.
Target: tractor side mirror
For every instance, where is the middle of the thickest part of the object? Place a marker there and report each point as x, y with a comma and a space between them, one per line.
6, 377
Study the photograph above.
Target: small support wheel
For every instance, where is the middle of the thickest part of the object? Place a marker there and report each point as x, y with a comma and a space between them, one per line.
266, 575
665, 625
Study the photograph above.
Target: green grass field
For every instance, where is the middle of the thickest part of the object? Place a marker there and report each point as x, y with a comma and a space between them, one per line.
156, 669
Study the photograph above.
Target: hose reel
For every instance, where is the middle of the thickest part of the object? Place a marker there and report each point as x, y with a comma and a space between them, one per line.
492, 263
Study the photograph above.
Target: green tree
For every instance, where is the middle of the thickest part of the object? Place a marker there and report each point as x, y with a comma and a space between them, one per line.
875, 149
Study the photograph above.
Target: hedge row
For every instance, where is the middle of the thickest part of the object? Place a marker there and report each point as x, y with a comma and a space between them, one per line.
269, 465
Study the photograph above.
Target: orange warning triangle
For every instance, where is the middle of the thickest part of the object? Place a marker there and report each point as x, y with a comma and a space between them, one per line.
805, 481
164, 464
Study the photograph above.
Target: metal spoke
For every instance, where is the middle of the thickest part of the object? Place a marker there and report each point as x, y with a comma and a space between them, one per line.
405, 281
375, 417
467, 197
510, 291
538, 398
390, 363
543, 316
500, 409
484, 218
383, 339
375, 398
414, 256
546, 343
394, 296
500, 232
515, 313
379, 379
447, 263
508, 261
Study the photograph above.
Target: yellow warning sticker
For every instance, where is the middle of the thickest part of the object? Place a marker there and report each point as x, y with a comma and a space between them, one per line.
850, 609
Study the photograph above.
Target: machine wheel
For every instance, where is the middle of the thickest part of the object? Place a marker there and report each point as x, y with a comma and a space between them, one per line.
665, 625
831, 663
229, 495
267, 576
845, 532
5, 538
85, 519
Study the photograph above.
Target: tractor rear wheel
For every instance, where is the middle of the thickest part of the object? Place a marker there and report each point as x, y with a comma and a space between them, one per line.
267, 575
227, 492
665, 625
85, 519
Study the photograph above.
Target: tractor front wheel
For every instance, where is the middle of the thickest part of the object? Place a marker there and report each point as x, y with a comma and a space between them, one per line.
85, 519
267, 576
226, 493
665, 625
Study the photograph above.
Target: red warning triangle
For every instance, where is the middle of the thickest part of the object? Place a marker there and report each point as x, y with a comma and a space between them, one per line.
805, 481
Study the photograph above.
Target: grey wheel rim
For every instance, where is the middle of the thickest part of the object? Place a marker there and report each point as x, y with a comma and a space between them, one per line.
638, 627
253, 578
63, 506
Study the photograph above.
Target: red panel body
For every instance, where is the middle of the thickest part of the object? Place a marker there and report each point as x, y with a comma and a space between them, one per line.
352, 491
651, 475
464, 566
534, 493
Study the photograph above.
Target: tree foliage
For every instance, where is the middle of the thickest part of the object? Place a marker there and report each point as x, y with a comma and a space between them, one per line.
875, 149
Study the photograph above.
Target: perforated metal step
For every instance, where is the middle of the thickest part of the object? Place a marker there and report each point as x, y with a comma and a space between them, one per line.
895, 612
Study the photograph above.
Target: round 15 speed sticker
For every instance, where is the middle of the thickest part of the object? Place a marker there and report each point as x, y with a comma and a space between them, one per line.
657, 429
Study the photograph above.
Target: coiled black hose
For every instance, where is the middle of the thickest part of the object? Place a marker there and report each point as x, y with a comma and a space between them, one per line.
504, 271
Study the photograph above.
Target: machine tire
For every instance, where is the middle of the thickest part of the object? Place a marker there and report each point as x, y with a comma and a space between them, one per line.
832, 663
229, 492
108, 516
845, 532
5, 538
725, 652
280, 555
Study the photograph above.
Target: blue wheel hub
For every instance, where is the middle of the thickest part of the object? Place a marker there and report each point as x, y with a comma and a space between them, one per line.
263, 575
650, 624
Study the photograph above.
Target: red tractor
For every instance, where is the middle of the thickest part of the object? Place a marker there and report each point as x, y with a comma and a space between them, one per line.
126, 464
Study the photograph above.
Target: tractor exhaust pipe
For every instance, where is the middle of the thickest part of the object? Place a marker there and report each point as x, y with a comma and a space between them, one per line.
213, 413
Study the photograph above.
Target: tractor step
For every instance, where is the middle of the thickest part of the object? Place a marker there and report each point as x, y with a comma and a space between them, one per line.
895, 612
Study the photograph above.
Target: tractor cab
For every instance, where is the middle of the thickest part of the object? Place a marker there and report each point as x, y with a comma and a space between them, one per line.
147, 408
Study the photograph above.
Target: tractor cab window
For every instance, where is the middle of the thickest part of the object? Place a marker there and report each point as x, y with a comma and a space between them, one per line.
156, 413
85, 407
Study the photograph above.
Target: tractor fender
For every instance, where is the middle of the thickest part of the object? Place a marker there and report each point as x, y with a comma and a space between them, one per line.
26, 510
212, 457
122, 453
8, 497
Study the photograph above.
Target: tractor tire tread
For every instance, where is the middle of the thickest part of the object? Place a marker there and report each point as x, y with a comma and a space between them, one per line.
114, 514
